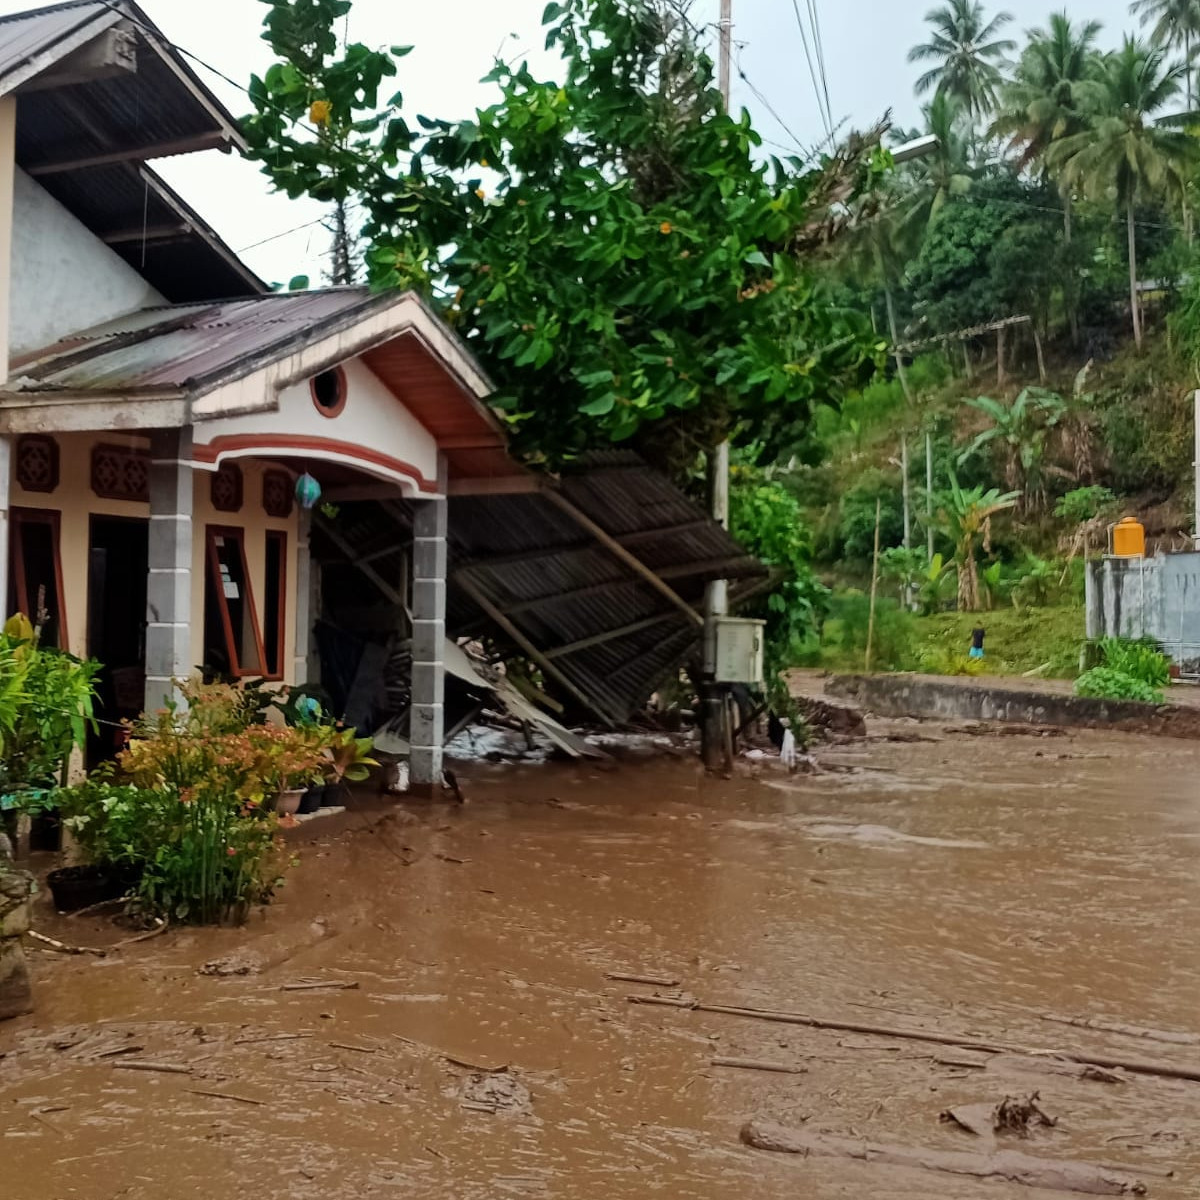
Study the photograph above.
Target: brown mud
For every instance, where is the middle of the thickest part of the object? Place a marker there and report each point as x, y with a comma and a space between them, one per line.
962, 884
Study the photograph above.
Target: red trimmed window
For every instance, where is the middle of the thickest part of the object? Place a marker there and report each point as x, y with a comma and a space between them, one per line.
233, 646
35, 580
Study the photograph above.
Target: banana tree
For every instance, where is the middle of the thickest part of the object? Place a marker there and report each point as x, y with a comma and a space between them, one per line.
965, 515
1023, 429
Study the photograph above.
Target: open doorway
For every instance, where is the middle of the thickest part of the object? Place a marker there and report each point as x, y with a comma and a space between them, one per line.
118, 560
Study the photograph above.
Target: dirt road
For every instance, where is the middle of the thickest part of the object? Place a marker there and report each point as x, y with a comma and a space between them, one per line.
965, 883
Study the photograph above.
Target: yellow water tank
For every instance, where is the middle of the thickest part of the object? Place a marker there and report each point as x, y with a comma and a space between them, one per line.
1129, 538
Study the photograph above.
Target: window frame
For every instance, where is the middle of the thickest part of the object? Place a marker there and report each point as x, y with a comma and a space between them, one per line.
18, 518
277, 543
237, 534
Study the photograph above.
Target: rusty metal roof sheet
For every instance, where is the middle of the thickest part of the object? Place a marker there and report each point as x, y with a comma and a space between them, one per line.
176, 346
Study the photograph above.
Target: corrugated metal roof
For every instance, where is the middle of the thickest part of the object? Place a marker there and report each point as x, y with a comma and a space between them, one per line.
26, 34
162, 108
175, 346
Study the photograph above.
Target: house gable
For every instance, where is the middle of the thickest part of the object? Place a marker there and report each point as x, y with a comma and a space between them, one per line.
64, 278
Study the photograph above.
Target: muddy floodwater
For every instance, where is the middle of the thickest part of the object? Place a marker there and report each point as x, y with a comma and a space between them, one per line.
971, 884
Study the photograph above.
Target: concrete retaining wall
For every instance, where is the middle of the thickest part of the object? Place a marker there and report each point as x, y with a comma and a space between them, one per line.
930, 696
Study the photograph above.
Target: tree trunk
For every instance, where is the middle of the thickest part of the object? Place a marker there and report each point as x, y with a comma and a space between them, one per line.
1134, 304
1069, 285
1041, 358
968, 580
891, 314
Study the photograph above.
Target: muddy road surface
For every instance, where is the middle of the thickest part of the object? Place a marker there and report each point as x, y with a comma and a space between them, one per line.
467, 1044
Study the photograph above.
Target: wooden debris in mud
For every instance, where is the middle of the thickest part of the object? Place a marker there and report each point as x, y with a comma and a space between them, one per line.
312, 985
62, 947
270, 1037
759, 1064
226, 1096
1134, 1031
1109, 1062
160, 1068
1048, 1064
649, 980
1011, 1115
1007, 1165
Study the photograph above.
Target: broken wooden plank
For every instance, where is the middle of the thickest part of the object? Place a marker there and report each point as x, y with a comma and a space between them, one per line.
1160, 1070
1011, 1166
161, 1068
315, 985
759, 1064
1134, 1031
648, 980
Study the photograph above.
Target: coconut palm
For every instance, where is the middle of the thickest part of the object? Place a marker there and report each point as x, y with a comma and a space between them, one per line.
1174, 25
1052, 89
965, 515
1125, 152
967, 52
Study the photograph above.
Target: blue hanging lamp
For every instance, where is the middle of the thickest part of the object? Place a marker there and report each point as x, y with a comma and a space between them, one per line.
308, 491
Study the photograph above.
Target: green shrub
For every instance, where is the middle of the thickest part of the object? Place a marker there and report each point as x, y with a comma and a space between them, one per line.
844, 643
1142, 660
1083, 503
1103, 683
856, 521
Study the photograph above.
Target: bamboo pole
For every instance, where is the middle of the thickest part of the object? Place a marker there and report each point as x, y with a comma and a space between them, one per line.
874, 587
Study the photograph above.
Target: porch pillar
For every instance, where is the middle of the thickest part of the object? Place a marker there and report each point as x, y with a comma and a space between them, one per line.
429, 634
303, 597
169, 588
5, 488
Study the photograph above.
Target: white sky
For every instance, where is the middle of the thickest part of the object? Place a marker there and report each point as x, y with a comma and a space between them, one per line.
865, 43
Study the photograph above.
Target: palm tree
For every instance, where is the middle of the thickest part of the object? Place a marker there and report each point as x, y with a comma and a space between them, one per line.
1055, 84
1053, 89
944, 173
967, 52
1126, 151
1175, 26
965, 515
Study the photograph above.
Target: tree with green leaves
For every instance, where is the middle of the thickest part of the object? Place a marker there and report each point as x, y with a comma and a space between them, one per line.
1023, 430
609, 242
965, 515
1174, 25
968, 54
1125, 151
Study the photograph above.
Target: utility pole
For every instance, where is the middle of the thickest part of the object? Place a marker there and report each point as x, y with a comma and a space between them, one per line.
716, 744
929, 494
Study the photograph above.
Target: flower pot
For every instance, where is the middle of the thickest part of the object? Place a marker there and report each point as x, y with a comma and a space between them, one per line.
312, 799
287, 804
74, 888
332, 795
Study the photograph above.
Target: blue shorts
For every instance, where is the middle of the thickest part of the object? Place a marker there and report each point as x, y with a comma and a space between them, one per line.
975, 652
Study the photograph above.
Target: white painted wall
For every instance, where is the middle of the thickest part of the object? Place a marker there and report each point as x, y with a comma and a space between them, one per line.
64, 278
373, 421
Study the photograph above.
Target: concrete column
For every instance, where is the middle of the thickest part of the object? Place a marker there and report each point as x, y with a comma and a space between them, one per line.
169, 592
304, 620
429, 634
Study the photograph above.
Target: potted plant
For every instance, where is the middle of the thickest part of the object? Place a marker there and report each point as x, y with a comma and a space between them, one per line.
46, 708
348, 759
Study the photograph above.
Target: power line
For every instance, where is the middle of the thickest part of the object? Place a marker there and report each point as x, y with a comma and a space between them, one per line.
819, 42
812, 72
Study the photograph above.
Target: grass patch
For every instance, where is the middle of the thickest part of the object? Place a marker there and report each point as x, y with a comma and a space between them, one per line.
1018, 641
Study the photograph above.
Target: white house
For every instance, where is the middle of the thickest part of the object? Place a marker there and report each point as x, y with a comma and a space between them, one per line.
160, 404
